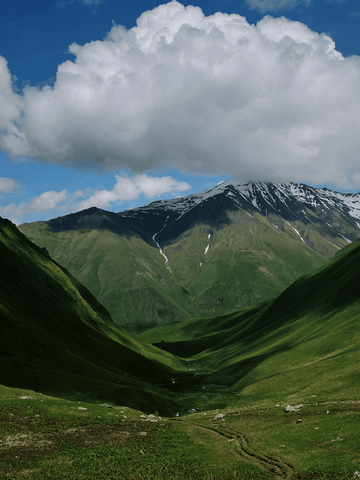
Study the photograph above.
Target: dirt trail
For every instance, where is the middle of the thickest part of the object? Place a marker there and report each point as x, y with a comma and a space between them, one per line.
276, 467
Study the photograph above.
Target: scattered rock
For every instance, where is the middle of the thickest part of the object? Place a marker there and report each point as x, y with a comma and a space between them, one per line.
327, 412
82, 408
141, 452
149, 418
282, 446
298, 420
356, 475
106, 405
338, 439
219, 415
290, 408
316, 428
27, 397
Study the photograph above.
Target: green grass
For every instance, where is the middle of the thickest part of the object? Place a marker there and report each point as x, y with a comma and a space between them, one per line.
304, 342
248, 261
300, 348
49, 437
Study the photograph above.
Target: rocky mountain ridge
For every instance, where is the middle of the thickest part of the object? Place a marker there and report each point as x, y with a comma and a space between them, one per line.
287, 200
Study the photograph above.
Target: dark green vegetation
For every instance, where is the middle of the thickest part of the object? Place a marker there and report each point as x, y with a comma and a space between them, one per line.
230, 382
56, 337
249, 260
229, 377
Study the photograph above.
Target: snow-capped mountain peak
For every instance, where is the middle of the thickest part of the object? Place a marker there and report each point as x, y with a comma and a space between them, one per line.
263, 197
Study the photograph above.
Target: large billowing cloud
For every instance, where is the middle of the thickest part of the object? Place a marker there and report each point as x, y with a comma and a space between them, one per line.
202, 94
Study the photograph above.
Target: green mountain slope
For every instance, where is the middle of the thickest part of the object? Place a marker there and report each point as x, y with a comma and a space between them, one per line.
247, 260
125, 274
55, 337
304, 342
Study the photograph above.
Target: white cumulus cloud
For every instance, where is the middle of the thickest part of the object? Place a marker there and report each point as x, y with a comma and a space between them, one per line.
64, 202
211, 94
130, 188
45, 202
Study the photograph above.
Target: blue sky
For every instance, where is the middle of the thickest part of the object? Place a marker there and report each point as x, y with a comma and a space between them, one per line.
97, 108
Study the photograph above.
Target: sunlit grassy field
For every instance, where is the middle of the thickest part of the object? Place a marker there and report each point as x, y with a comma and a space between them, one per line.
47, 437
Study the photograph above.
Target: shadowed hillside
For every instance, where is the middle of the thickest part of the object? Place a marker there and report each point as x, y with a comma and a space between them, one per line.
57, 338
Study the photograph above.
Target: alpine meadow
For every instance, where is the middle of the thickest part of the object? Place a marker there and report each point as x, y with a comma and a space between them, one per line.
180, 240
268, 390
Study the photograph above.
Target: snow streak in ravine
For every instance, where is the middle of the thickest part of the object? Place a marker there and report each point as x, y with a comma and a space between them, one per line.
154, 238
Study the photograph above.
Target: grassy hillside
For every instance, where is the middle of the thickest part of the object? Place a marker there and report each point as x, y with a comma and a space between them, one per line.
56, 337
125, 274
304, 342
248, 260
228, 392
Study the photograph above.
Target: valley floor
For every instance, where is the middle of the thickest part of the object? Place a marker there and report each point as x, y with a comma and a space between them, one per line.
44, 437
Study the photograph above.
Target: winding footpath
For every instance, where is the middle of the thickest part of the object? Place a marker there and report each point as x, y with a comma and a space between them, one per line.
278, 468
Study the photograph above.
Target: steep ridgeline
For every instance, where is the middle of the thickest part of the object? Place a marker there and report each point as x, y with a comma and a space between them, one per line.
209, 253
56, 338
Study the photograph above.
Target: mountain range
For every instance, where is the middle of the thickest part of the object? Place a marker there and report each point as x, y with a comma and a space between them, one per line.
268, 391
206, 254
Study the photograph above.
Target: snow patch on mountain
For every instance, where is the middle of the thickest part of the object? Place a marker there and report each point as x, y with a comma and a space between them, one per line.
349, 241
288, 200
295, 231
276, 195
154, 238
